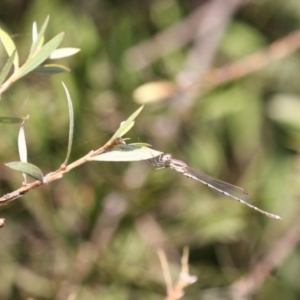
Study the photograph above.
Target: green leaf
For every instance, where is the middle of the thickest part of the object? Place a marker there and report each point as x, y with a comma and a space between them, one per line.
40, 56
11, 120
9, 46
127, 153
4, 72
22, 147
35, 36
34, 32
140, 144
127, 125
71, 126
29, 169
63, 52
22, 144
51, 69
38, 41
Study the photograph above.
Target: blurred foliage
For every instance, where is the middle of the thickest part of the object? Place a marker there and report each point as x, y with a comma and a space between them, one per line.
94, 233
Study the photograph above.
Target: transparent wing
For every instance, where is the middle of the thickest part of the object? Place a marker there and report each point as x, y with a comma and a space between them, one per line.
226, 189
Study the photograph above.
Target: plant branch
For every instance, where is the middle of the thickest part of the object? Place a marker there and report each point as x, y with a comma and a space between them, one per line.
236, 70
185, 279
7, 84
58, 173
248, 284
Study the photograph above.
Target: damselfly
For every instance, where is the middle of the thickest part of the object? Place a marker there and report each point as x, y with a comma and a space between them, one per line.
166, 161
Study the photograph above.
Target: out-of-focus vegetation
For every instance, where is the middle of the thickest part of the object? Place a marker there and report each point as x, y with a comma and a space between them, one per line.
94, 233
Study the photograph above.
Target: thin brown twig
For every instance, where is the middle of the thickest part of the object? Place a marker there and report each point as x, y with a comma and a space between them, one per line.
215, 21
58, 173
248, 284
185, 279
238, 69
234, 71
221, 75
185, 260
166, 270
241, 68
8, 83
207, 37
175, 37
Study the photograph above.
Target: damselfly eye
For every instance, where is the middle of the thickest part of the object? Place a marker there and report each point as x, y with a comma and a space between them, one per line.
167, 157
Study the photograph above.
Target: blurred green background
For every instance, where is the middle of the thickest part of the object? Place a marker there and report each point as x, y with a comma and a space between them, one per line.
94, 233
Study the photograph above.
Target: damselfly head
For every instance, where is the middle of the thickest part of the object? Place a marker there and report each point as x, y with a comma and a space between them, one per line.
167, 158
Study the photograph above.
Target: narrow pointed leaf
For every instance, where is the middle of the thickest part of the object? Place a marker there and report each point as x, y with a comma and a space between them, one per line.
11, 120
22, 147
140, 144
22, 144
127, 153
71, 127
37, 41
127, 125
51, 69
4, 72
34, 32
41, 56
9, 46
63, 52
29, 169
35, 36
